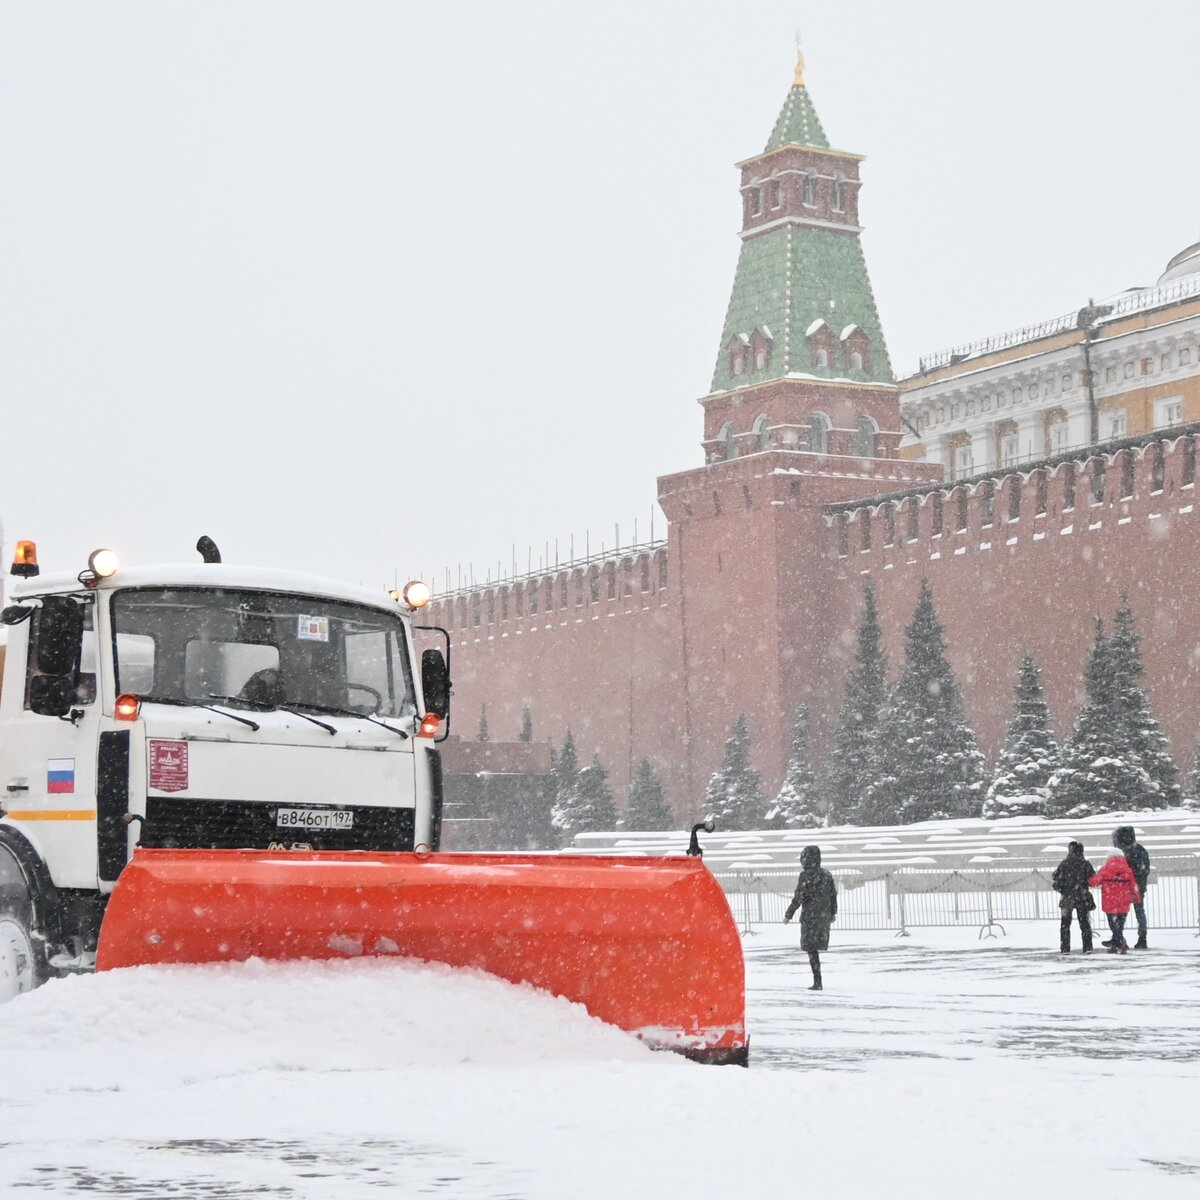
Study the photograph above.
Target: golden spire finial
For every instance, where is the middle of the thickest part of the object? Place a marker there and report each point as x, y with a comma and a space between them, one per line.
798, 78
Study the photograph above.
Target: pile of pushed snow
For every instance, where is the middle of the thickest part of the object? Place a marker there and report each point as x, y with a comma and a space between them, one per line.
153, 1026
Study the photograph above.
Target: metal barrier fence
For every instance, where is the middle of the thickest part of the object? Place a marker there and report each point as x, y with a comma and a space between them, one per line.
905, 898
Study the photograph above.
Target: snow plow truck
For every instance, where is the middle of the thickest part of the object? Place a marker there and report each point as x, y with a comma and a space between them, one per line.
207, 762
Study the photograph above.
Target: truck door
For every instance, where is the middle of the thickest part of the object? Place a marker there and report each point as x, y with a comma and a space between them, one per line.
49, 766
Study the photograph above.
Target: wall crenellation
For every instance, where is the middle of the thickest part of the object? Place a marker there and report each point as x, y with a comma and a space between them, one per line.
627, 581
1149, 480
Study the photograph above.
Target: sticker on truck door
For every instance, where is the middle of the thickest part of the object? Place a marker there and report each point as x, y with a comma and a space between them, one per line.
60, 776
168, 765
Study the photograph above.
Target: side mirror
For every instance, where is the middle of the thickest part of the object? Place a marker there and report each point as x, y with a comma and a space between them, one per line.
435, 683
59, 635
51, 695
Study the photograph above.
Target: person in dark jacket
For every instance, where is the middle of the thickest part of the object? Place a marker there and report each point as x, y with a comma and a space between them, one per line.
1125, 839
1070, 880
816, 898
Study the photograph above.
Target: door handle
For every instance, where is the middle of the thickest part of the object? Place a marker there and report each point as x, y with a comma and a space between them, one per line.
18, 787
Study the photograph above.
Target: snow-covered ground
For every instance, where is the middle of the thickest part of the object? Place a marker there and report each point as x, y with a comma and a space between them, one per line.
932, 1066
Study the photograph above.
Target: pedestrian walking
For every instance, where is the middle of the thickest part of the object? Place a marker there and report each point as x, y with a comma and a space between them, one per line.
1125, 839
1070, 880
1118, 889
816, 898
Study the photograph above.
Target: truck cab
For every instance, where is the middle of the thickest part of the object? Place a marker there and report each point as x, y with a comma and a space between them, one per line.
199, 706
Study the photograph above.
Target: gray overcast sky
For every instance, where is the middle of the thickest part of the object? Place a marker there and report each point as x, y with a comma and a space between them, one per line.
377, 287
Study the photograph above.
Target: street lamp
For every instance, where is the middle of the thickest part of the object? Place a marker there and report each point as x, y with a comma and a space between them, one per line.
1087, 320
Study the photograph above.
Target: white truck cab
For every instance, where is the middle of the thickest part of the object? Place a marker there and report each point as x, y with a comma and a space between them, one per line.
198, 706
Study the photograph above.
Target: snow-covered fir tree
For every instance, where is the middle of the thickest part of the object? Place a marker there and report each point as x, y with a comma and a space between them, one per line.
851, 767
526, 734
1098, 772
734, 796
483, 735
929, 765
1020, 783
565, 767
1145, 739
1192, 791
647, 810
798, 804
565, 764
587, 806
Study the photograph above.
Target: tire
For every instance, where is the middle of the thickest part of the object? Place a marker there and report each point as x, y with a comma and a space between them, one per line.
22, 957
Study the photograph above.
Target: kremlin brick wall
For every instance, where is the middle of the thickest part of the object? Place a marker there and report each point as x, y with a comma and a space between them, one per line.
753, 603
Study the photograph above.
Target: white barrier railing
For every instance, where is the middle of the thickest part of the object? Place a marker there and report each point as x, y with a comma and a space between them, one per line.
911, 897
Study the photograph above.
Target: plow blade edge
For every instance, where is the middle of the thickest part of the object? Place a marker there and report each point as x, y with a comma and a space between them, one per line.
646, 944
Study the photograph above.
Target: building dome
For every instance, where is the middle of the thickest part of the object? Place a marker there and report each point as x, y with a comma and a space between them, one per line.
1185, 263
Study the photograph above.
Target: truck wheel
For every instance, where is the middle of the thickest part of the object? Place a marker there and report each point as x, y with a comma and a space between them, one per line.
19, 958
22, 962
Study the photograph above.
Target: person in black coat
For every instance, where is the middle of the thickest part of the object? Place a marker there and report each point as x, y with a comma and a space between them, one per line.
1070, 880
1125, 840
816, 898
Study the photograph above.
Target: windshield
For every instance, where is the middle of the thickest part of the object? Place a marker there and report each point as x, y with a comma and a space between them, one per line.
260, 649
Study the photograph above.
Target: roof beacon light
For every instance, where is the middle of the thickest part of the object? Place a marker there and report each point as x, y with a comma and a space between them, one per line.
417, 593
127, 707
429, 725
103, 563
25, 559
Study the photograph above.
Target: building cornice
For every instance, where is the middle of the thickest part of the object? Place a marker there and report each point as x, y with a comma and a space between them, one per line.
814, 222
746, 162
807, 380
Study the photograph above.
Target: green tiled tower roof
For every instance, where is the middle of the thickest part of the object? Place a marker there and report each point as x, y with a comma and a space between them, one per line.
798, 123
800, 271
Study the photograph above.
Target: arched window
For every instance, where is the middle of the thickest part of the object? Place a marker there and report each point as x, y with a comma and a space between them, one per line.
819, 426
739, 354
856, 360
810, 189
727, 447
864, 437
762, 434
838, 198
822, 357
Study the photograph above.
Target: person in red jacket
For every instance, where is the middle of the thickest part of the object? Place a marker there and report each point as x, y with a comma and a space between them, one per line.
1118, 890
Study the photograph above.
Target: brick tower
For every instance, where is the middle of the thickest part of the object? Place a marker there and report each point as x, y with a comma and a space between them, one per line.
803, 412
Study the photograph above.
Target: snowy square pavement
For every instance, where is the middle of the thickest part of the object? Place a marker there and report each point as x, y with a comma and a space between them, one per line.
931, 1066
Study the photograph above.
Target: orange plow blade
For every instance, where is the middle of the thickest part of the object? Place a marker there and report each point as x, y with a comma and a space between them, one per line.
646, 944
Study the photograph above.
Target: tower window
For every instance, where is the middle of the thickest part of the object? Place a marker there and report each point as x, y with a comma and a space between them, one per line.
774, 194
728, 447
810, 189
838, 194
753, 202
818, 433
761, 433
864, 437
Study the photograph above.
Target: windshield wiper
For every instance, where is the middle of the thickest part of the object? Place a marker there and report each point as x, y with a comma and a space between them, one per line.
335, 710
196, 704
324, 725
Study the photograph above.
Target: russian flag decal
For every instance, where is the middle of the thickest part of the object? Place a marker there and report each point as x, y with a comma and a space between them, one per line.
60, 775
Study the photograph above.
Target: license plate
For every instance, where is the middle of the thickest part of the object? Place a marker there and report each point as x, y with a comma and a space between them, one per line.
314, 818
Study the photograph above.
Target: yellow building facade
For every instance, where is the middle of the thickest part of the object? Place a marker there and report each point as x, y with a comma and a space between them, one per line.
1122, 367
